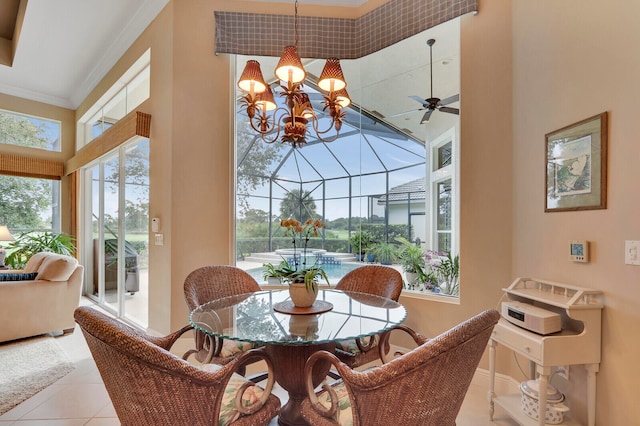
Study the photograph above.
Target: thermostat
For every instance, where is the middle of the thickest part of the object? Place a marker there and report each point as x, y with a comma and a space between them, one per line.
579, 251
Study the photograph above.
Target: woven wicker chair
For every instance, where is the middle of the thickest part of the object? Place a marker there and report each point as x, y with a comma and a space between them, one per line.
148, 385
211, 283
373, 279
424, 387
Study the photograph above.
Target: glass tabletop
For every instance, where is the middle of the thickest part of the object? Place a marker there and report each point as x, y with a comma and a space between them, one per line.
251, 318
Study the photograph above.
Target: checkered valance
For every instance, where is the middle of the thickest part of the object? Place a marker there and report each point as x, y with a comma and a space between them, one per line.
321, 37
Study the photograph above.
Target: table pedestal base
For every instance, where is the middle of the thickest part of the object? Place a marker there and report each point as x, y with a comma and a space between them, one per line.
288, 366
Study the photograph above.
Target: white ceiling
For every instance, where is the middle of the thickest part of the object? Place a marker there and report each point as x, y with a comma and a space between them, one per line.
67, 46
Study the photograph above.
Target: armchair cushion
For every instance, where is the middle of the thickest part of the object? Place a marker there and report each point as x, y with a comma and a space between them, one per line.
57, 267
20, 276
351, 345
344, 415
250, 395
234, 347
34, 262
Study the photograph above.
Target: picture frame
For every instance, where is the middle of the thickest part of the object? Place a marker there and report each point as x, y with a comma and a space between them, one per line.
576, 166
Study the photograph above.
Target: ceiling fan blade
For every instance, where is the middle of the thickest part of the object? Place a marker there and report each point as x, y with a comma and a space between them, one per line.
450, 110
425, 118
420, 100
450, 100
406, 112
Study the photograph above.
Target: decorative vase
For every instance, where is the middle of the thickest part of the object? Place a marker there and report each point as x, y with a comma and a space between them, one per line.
412, 278
274, 281
301, 296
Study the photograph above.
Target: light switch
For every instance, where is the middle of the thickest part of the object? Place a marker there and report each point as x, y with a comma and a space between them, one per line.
632, 252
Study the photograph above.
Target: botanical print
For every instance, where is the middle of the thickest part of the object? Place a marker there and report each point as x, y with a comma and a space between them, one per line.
570, 165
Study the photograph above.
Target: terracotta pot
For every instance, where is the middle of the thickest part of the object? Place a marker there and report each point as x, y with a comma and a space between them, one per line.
301, 296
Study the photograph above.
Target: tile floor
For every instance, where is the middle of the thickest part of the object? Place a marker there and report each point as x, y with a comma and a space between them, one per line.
81, 399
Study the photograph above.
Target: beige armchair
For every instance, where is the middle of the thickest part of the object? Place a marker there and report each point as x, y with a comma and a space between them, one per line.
42, 297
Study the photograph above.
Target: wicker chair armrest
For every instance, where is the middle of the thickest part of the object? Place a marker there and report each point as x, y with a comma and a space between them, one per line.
166, 342
212, 345
250, 357
418, 338
366, 346
308, 376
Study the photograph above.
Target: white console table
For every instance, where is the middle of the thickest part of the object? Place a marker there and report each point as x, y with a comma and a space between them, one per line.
577, 343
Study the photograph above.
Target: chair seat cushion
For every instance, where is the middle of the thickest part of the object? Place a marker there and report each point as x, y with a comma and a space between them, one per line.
344, 415
351, 346
228, 413
233, 347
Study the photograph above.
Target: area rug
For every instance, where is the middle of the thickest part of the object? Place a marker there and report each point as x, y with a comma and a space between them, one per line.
28, 366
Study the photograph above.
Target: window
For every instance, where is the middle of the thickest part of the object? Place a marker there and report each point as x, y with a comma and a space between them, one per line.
129, 92
445, 194
29, 204
28, 131
388, 174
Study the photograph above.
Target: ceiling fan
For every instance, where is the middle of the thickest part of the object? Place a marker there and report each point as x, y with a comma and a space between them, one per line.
431, 104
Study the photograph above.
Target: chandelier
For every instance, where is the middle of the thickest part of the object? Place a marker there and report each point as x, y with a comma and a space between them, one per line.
297, 116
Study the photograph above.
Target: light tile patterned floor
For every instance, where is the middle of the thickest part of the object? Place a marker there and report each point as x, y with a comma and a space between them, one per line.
81, 399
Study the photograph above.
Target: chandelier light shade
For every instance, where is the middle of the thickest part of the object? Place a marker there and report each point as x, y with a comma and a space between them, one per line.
342, 97
251, 79
290, 67
297, 117
332, 78
265, 100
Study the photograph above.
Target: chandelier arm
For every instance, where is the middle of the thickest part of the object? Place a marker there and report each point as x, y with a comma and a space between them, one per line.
336, 123
269, 127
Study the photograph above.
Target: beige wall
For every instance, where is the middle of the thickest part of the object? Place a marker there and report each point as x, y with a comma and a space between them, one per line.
571, 60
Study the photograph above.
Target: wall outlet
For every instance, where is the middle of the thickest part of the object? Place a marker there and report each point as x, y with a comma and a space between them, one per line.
632, 252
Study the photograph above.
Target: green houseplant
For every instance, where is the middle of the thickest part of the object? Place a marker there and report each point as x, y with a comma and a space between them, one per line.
449, 270
360, 242
297, 271
29, 243
270, 272
387, 253
411, 257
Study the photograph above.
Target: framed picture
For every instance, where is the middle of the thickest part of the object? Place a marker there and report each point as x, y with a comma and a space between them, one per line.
576, 163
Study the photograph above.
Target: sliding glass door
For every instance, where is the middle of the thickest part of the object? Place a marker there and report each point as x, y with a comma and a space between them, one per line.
116, 227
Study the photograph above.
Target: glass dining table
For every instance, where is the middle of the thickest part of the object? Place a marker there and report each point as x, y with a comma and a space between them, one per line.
290, 335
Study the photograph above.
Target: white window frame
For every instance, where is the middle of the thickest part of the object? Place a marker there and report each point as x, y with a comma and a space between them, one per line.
436, 176
117, 98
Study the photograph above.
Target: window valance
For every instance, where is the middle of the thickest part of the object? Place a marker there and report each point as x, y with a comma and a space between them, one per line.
136, 123
19, 165
322, 37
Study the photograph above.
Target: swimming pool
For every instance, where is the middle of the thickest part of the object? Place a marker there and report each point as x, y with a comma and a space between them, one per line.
334, 272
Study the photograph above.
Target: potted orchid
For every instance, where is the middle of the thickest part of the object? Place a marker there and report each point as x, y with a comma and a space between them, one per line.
296, 273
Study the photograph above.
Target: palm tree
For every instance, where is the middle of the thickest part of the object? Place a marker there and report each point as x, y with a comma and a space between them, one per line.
298, 204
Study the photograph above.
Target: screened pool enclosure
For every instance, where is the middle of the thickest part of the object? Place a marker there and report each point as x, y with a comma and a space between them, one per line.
387, 175
371, 178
